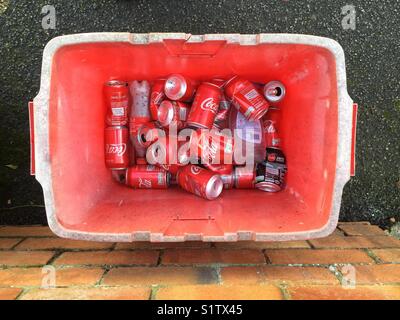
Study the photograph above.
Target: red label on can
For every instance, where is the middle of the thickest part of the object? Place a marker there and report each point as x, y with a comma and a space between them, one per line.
157, 95
199, 181
214, 147
116, 95
244, 177
205, 106
271, 135
246, 98
146, 177
118, 149
209, 104
116, 145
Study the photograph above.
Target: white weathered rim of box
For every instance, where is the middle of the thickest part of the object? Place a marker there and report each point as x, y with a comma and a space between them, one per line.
41, 129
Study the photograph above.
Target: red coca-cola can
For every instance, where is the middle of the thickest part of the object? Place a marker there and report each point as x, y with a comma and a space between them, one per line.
221, 119
272, 139
173, 113
213, 147
116, 142
116, 95
200, 181
245, 177
246, 98
205, 106
178, 87
156, 97
146, 177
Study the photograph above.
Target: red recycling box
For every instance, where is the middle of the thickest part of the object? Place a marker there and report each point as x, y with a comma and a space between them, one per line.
316, 128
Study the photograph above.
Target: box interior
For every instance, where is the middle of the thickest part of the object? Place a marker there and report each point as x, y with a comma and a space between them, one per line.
87, 199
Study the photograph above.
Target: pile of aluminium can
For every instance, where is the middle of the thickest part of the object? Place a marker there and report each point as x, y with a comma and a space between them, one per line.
204, 136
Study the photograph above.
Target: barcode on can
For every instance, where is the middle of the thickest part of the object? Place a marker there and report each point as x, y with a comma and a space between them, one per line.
272, 171
251, 94
118, 111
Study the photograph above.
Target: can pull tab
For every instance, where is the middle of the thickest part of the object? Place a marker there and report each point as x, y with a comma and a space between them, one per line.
353, 141
32, 136
191, 48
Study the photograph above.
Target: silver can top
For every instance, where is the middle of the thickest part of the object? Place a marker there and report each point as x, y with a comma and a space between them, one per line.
175, 87
214, 187
143, 134
268, 186
274, 91
155, 153
116, 83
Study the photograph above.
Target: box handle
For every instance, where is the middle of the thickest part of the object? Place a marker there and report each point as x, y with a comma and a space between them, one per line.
32, 136
181, 47
353, 141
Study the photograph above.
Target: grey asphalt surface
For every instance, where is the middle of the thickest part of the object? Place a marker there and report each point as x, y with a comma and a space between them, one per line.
372, 58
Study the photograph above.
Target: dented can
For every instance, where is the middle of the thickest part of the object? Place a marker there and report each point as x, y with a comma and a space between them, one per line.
205, 106
116, 143
146, 177
200, 181
116, 94
245, 97
178, 87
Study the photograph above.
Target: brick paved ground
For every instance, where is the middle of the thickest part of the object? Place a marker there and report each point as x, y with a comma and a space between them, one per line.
314, 269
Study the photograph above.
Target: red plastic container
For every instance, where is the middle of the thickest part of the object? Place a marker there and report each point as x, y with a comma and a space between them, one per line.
84, 202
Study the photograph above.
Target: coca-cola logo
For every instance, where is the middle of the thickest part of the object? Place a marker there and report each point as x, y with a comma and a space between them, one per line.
210, 152
144, 183
116, 148
209, 105
272, 157
195, 170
